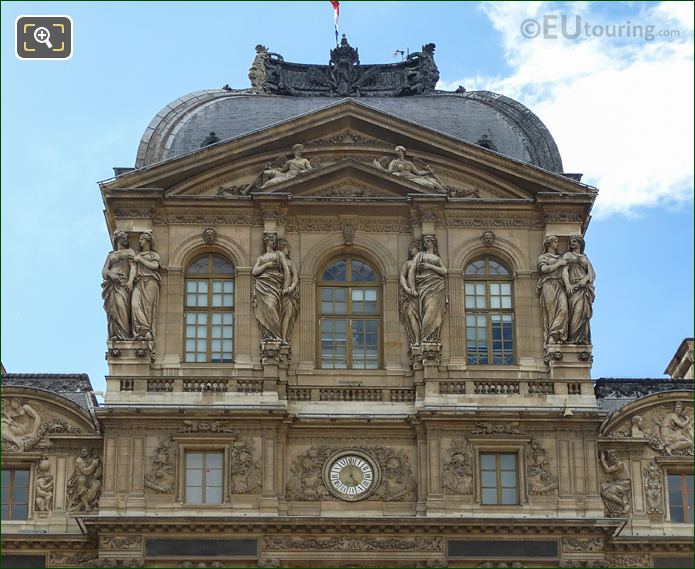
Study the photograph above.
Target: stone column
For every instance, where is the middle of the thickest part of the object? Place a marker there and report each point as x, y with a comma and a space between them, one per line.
393, 332
457, 318
269, 501
244, 348
305, 328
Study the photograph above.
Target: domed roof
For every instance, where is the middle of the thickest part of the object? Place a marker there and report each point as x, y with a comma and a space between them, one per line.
480, 117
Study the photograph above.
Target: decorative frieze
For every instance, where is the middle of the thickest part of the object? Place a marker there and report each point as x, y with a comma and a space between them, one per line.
120, 542
583, 545
352, 543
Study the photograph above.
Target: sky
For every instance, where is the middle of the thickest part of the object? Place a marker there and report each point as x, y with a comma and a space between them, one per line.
618, 100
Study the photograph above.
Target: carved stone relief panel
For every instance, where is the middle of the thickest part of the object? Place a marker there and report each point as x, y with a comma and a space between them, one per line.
617, 491
653, 488
84, 486
457, 474
667, 429
246, 469
305, 481
119, 542
352, 543
43, 486
541, 481
162, 469
25, 423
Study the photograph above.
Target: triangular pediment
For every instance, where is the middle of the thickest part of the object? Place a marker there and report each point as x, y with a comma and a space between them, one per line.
350, 141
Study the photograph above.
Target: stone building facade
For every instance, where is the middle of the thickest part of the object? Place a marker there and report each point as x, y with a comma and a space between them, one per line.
348, 325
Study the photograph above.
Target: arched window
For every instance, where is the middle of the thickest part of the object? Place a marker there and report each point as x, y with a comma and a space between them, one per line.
209, 312
489, 312
349, 315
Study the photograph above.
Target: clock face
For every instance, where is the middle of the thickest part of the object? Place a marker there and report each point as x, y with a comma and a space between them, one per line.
350, 476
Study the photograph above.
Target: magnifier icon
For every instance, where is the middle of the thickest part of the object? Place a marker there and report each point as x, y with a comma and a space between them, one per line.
42, 35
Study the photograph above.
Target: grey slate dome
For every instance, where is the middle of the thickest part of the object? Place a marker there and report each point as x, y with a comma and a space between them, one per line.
282, 91
183, 125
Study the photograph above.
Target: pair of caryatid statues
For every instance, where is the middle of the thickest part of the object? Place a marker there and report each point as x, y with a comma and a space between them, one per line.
423, 293
276, 290
130, 288
566, 289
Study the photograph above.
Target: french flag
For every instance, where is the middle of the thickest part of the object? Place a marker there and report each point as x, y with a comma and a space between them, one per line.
336, 17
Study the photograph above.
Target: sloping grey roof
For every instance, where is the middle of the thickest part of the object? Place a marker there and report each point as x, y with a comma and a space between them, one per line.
181, 126
75, 387
615, 392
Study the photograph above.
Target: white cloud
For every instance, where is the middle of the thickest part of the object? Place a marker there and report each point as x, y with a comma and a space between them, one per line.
621, 110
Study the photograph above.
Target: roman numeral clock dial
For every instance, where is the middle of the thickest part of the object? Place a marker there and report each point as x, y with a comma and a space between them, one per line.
350, 475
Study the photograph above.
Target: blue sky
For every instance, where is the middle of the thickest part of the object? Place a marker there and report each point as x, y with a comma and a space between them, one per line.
621, 110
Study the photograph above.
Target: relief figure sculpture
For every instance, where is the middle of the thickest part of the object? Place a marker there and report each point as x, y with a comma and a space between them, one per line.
20, 422
578, 276
43, 488
84, 486
676, 430
145, 300
653, 488
553, 297
404, 168
408, 297
292, 168
617, 493
270, 272
118, 275
429, 274
290, 293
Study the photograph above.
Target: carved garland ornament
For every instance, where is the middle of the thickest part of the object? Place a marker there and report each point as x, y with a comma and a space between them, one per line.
352, 543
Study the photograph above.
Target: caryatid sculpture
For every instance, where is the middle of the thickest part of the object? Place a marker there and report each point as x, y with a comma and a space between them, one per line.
408, 303
290, 293
291, 169
404, 168
118, 275
145, 299
270, 272
428, 273
552, 292
578, 276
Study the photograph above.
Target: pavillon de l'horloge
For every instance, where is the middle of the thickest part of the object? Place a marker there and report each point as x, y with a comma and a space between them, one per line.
348, 324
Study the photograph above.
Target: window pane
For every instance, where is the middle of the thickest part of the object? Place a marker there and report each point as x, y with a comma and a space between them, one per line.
476, 268
488, 462
677, 514
200, 265
5, 478
20, 511
213, 495
194, 494
508, 478
214, 460
362, 272
220, 265
336, 271
194, 477
194, 460
508, 461
21, 479
509, 496
489, 496
489, 479
496, 268
213, 477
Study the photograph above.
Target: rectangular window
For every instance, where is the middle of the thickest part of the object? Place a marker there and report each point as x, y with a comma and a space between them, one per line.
680, 497
204, 477
498, 475
476, 338
15, 494
333, 343
196, 336
364, 347
502, 345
